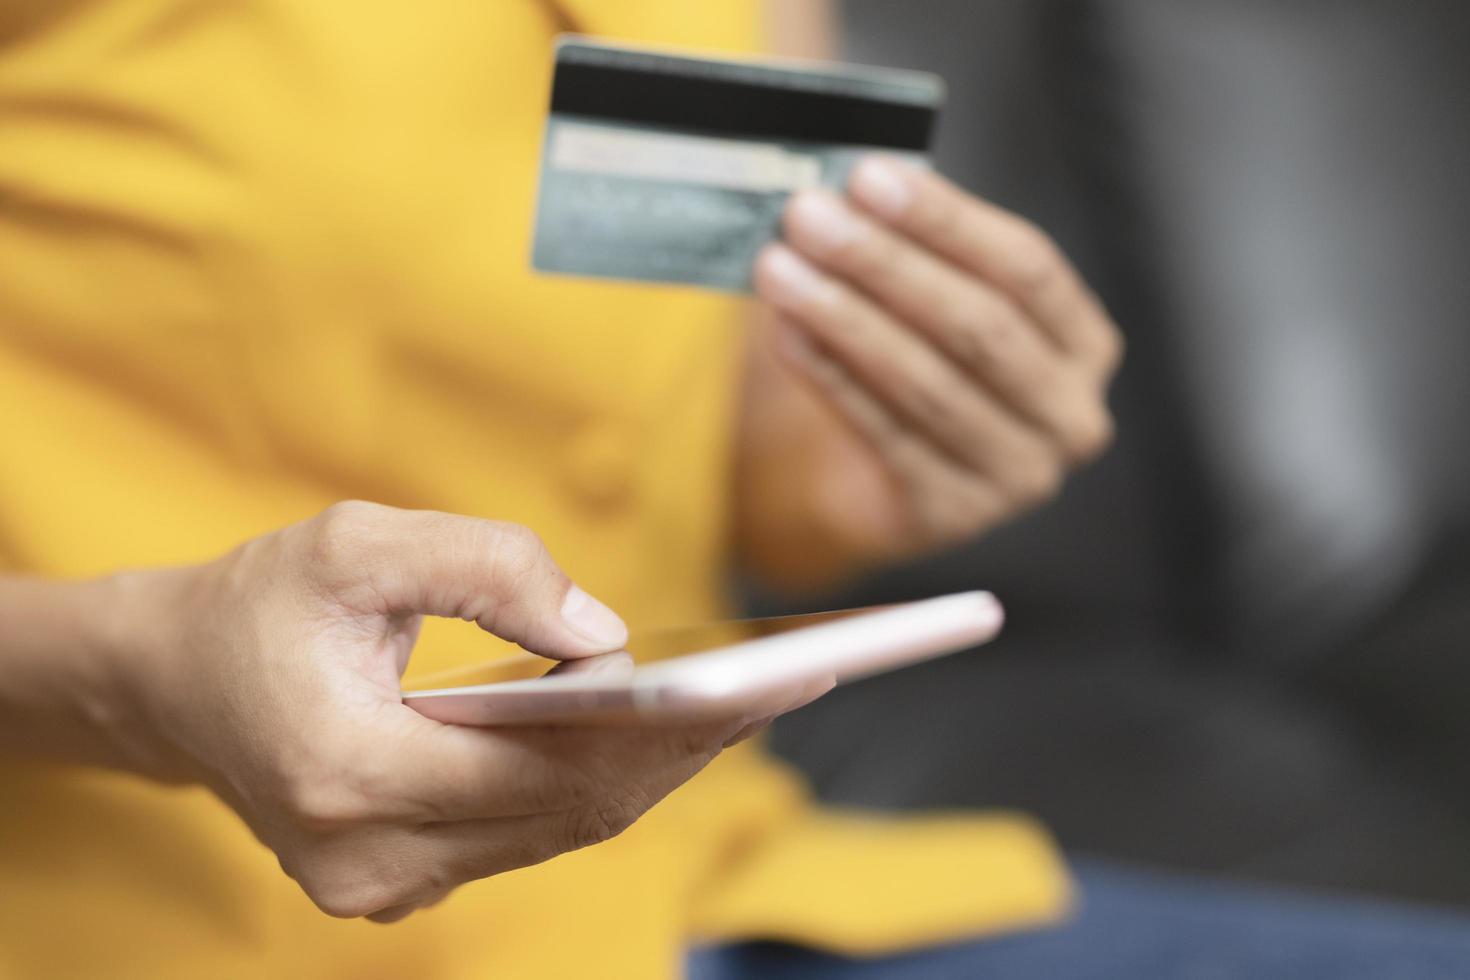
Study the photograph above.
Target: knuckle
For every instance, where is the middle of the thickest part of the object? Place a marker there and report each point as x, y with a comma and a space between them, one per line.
516, 557
1092, 435
938, 218
315, 788
515, 546
322, 808
342, 903
874, 259
1111, 348
948, 518
741, 733
954, 524
980, 510
929, 406
910, 461
337, 533
981, 339
1034, 261
600, 822
694, 746
829, 374
834, 302
698, 744
353, 902
434, 879
345, 893
1037, 482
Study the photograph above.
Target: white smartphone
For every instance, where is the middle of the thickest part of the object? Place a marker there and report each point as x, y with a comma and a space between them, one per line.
792, 660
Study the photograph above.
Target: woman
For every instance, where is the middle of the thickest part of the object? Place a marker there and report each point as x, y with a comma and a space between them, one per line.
260, 258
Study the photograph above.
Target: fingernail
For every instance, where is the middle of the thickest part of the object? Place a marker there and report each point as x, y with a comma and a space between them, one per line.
883, 185
789, 280
819, 219
592, 620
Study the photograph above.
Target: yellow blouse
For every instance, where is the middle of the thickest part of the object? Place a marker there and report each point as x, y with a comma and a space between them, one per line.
257, 256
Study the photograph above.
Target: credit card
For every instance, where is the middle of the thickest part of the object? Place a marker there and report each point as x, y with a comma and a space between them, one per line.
670, 167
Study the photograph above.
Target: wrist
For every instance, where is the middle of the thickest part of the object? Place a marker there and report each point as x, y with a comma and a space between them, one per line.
59, 693
128, 640
141, 645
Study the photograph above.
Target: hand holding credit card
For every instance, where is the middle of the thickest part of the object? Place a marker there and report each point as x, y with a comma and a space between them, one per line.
959, 361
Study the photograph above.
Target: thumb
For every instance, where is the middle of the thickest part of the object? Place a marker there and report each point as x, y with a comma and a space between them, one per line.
496, 574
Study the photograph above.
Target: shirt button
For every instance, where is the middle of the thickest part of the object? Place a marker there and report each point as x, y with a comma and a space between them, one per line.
598, 464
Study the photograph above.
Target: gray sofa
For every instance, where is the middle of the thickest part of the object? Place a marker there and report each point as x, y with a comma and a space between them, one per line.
1241, 643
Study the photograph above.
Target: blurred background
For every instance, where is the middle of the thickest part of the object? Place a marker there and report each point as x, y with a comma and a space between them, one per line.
1239, 644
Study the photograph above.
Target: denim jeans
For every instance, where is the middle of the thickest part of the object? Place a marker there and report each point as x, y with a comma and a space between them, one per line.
1139, 925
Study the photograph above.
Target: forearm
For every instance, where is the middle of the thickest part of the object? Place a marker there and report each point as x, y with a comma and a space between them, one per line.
62, 690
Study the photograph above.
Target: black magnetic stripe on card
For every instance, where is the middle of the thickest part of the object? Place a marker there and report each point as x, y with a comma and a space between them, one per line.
883, 84
747, 109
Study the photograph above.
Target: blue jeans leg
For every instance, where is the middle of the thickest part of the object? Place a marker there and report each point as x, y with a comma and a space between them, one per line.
1137, 924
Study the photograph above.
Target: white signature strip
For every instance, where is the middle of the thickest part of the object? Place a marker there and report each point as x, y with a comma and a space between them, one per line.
706, 161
